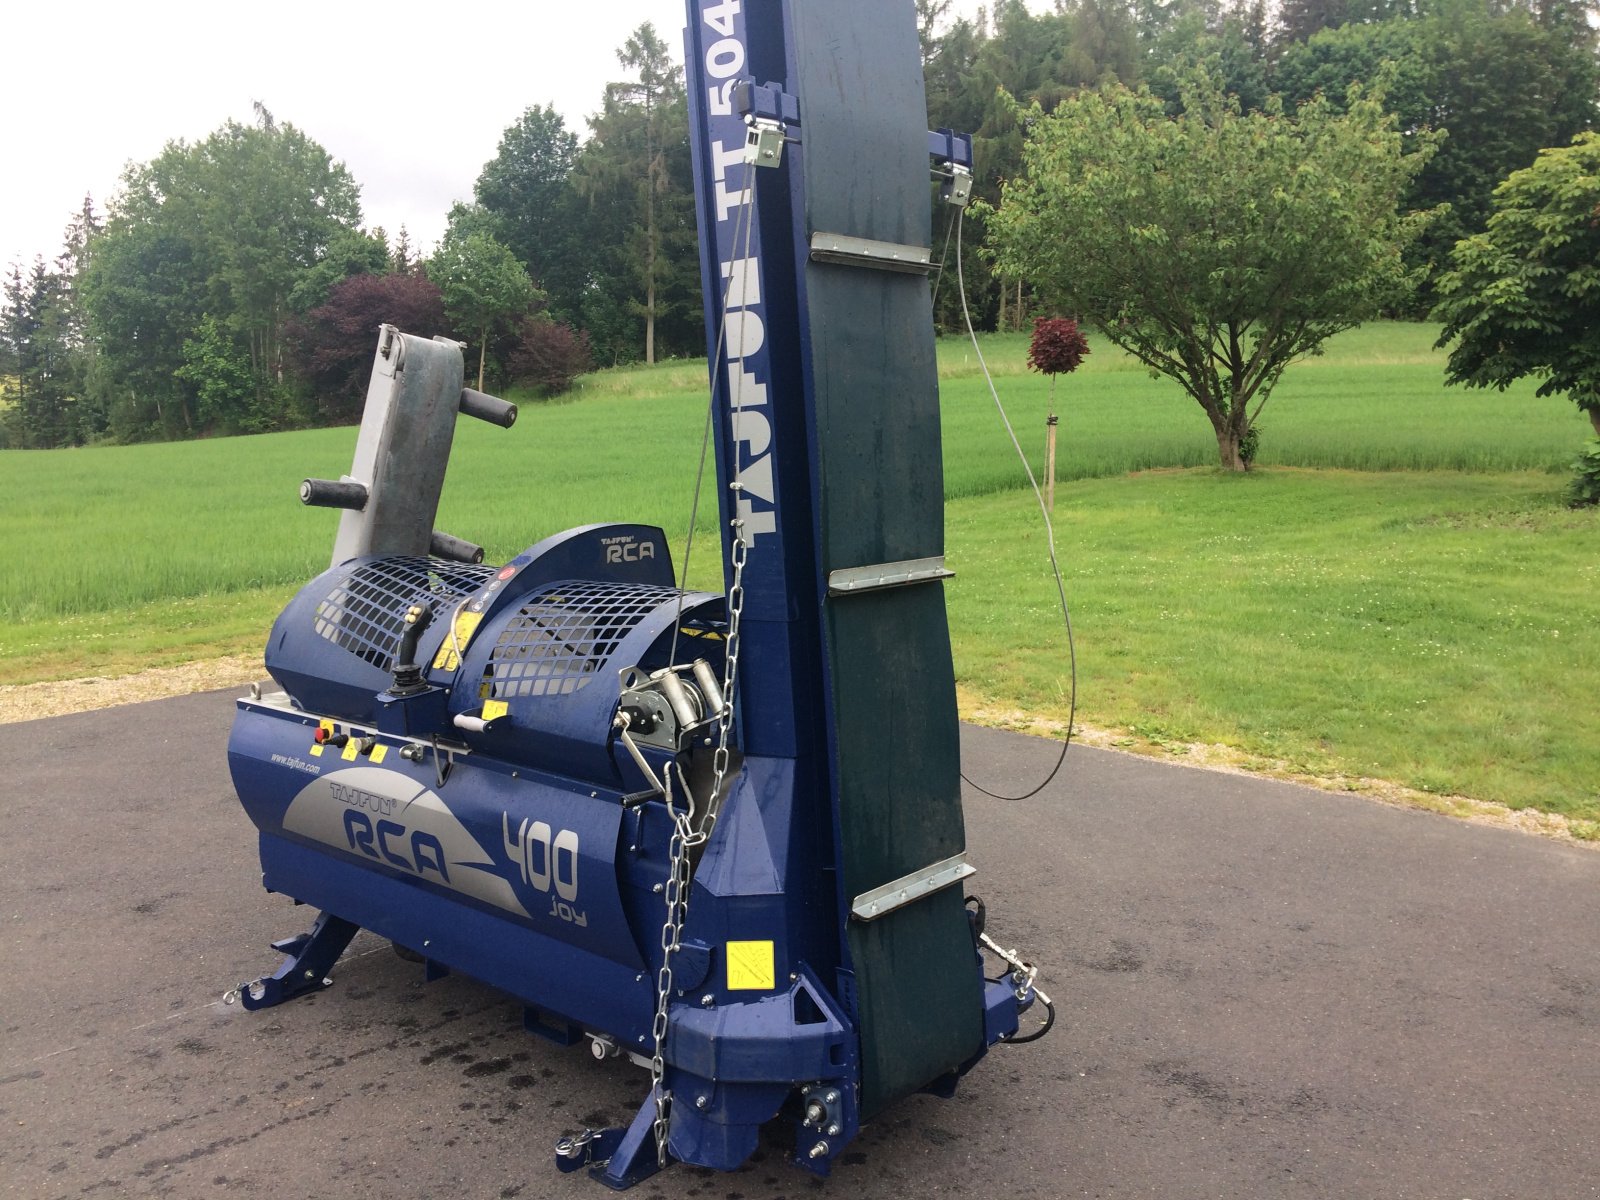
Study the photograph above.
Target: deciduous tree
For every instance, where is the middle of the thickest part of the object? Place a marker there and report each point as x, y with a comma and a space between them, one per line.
1522, 299
229, 227
1502, 84
1216, 247
333, 345
484, 287
527, 186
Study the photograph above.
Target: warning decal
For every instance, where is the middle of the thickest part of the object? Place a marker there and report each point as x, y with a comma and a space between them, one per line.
466, 625
750, 967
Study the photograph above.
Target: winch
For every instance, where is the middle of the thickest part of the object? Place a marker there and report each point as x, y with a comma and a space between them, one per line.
717, 833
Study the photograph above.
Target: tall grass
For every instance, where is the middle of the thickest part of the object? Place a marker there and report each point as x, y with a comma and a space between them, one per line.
85, 531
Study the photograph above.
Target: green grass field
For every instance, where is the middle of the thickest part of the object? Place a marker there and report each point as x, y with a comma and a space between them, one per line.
1395, 592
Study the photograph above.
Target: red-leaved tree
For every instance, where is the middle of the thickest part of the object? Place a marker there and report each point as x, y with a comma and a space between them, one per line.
550, 355
333, 346
1058, 347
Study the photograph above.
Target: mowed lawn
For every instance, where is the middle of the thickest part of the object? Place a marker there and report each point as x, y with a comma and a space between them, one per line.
1396, 592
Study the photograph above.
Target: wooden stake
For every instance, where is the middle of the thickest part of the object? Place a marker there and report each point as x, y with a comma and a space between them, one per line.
1050, 462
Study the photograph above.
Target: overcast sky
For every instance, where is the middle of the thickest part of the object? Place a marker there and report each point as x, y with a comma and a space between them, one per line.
411, 97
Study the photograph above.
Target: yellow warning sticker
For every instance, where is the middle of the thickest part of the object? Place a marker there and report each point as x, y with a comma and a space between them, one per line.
316, 750
493, 710
750, 967
466, 625
351, 749
380, 752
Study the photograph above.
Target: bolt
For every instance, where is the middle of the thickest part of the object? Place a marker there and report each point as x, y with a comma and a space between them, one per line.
701, 1101
707, 1000
815, 1113
832, 1097
819, 1150
833, 1130
638, 978
310, 975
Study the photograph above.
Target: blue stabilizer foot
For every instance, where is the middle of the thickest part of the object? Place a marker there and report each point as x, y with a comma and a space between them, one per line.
308, 959
634, 1159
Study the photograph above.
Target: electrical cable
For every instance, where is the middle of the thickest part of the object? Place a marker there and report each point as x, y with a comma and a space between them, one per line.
1050, 541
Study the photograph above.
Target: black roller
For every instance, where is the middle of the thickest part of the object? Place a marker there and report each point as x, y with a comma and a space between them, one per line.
454, 548
331, 493
488, 408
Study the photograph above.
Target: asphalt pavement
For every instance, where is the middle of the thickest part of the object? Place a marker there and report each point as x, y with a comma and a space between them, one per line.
1265, 992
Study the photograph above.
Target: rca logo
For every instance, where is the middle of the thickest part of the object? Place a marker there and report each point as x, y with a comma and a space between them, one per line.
389, 841
629, 552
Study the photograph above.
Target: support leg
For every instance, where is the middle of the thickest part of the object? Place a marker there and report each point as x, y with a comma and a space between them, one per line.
634, 1159
308, 959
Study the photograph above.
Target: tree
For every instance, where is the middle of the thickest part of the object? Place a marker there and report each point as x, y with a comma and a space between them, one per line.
550, 355
218, 368
484, 286
227, 227
929, 15
527, 186
1522, 299
349, 252
38, 341
403, 260
635, 175
1231, 41
16, 337
1501, 83
1216, 247
273, 202
332, 346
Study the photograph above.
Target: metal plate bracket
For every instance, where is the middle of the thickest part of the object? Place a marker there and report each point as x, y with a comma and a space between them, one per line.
864, 252
887, 575
881, 901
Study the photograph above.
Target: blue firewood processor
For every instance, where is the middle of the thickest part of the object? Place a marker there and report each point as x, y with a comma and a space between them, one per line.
719, 834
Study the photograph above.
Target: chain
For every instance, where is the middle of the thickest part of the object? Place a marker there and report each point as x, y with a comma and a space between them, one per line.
730, 673
677, 899
685, 836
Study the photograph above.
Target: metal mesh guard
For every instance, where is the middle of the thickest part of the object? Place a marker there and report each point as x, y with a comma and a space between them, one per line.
565, 633
366, 610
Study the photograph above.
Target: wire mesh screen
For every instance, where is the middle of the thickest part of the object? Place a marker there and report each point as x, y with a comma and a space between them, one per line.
366, 610
565, 634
